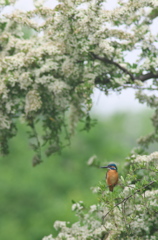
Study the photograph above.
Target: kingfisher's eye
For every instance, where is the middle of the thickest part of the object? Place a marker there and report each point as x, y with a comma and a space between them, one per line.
112, 167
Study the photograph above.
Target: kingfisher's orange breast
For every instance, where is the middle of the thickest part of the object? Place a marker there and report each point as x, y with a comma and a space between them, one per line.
112, 177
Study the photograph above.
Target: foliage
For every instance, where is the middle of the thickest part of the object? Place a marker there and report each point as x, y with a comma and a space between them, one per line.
128, 213
77, 45
32, 199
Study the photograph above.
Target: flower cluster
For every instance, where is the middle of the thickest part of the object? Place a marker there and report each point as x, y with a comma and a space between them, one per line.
147, 159
33, 101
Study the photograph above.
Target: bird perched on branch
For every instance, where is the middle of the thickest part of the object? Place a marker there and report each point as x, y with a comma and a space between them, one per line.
111, 176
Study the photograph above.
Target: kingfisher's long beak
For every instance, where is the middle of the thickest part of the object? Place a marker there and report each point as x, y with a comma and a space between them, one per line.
104, 167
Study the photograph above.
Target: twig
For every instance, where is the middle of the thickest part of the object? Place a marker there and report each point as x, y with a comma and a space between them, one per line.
106, 60
37, 158
139, 87
125, 199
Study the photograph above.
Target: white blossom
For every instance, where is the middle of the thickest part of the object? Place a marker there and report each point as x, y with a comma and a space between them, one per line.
59, 224
95, 189
2, 86
127, 190
50, 237
147, 158
4, 122
93, 208
77, 206
91, 160
106, 47
25, 80
151, 193
154, 2
57, 87
32, 102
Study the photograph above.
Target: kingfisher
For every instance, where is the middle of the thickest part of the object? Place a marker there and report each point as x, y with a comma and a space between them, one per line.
111, 176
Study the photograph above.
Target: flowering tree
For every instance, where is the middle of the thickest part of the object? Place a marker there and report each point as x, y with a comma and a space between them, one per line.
75, 47
49, 78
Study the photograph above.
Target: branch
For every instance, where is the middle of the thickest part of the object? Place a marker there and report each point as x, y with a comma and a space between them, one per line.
147, 76
125, 199
142, 77
37, 147
138, 87
106, 60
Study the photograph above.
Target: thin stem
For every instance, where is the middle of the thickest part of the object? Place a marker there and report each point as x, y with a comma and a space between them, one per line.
125, 199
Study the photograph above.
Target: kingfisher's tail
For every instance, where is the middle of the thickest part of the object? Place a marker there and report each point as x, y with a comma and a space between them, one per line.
111, 188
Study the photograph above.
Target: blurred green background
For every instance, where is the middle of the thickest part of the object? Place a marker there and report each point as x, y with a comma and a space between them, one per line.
33, 198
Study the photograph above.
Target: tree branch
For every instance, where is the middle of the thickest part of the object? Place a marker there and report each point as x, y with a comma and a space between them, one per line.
106, 60
147, 76
125, 199
143, 77
138, 87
